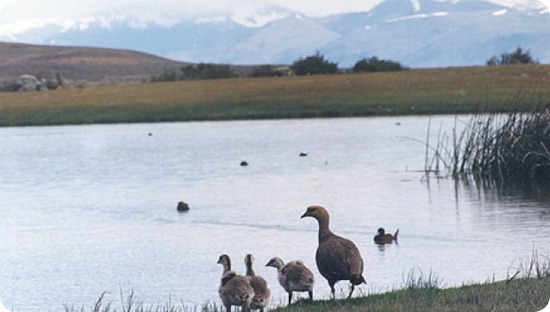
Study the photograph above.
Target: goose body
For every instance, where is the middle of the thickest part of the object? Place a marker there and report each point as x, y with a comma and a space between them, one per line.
382, 237
293, 276
337, 258
235, 289
262, 294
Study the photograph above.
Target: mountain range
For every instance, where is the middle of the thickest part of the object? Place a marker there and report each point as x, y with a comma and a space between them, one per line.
416, 33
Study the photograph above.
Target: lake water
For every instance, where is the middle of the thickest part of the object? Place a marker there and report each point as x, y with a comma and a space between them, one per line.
88, 209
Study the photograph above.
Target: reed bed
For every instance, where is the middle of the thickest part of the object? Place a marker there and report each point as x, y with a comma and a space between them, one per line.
496, 148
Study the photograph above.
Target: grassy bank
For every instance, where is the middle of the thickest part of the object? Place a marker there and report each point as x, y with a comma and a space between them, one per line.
526, 290
421, 91
518, 295
527, 295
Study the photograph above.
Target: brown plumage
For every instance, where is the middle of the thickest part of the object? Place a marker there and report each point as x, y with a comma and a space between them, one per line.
235, 289
385, 238
262, 294
293, 276
337, 258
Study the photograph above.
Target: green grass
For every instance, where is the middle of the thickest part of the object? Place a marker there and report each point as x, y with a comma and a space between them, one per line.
420, 91
527, 290
527, 295
515, 295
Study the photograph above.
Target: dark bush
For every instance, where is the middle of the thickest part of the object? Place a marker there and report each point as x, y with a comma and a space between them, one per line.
375, 64
207, 71
314, 65
200, 71
519, 56
267, 71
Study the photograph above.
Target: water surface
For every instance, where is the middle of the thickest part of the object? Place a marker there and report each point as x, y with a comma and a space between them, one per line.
88, 209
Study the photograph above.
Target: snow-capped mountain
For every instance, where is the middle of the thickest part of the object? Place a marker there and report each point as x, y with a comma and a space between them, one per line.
417, 33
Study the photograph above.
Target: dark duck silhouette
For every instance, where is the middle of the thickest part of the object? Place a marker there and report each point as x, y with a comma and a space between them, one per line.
385, 238
338, 259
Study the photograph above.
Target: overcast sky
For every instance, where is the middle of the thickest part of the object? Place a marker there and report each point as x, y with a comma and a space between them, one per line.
27, 12
11, 10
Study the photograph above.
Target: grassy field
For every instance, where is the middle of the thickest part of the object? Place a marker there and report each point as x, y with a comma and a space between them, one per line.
419, 91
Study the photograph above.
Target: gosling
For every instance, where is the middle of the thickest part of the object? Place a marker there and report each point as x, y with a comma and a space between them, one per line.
235, 289
293, 276
262, 294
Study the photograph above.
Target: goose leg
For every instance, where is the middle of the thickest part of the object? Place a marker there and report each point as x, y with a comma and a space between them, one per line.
310, 295
351, 290
332, 291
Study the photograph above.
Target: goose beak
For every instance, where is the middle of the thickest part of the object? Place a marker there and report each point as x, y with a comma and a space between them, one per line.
304, 215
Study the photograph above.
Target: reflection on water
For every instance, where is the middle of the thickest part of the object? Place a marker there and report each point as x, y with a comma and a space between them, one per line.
87, 209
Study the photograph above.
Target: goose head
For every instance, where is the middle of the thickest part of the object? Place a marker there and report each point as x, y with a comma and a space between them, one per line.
317, 212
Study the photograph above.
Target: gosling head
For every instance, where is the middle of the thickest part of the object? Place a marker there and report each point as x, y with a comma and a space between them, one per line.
225, 261
248, 259
275, 262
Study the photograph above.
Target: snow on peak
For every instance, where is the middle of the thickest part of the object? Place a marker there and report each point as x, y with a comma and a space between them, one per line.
500, 12
259, 17
416, 5
416, 16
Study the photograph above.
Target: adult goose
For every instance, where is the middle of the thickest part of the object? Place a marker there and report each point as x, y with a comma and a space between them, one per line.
235, 289
262, 294
337, 258
382, 237
293, 276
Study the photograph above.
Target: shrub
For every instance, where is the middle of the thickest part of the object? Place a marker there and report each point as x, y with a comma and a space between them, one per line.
200, 71
207, 71
519, 56
375, 64
314, 65
267, 71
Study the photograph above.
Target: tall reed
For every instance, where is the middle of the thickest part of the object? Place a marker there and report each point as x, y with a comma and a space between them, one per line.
501, 148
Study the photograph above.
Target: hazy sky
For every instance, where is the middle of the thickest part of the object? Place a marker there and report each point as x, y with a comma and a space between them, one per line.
32, 9
24, 13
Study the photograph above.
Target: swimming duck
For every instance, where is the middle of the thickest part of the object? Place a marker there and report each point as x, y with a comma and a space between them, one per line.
262, 294
293, 276
235, 289
337, 258
385, 238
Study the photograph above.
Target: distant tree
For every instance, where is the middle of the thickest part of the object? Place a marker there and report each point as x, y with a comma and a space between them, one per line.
200, 71
207, 71
166, 75
314, 65
267, 71
375, 64
519, 56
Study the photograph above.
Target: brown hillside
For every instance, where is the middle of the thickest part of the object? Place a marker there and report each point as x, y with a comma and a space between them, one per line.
81, 64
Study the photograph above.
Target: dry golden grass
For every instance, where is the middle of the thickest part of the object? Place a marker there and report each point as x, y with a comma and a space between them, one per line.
452, 90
